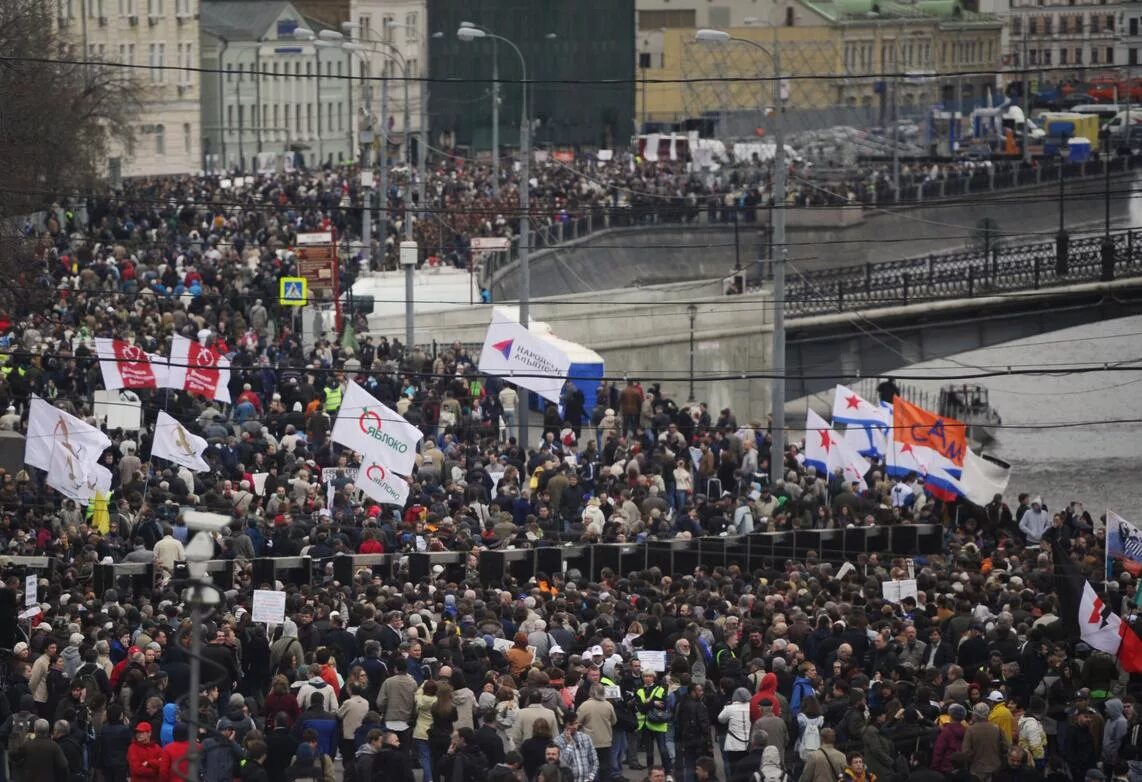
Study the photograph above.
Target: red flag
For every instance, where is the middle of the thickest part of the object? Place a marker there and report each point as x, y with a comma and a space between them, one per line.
1130, 652
124, 365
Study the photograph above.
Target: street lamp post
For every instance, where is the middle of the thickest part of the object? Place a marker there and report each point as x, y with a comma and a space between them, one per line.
777, 389
495, 112
471, 34
1108, 252
1062, 238
692, 310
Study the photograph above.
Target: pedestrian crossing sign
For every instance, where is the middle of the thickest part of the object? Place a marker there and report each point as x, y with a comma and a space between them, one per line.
293, 292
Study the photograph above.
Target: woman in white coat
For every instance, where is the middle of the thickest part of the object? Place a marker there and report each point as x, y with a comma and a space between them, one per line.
735, 716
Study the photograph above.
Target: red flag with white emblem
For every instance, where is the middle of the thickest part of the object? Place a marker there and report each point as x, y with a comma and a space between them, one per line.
126, 366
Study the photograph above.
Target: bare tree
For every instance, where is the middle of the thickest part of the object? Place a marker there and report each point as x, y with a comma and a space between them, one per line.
59, 114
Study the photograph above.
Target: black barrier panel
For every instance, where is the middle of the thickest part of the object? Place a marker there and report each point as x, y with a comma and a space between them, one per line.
263, 572
832, 542
9, 615
931, 540
548, 560
659, 554
806, 540
759, 550
144, 582
384, 569
224, 578
712, 552
685, 562
784, 546
522, 569
343, 569
633, 560
419, 567
104, 579
877, 539
737, 552
855, 542
605, 557
296, 575
905, 540
493, 566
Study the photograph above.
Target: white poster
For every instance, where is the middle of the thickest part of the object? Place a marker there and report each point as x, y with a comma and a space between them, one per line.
31, 590
268, 606
653, 661
895, 591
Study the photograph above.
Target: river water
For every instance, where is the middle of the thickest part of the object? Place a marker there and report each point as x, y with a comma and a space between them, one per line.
1098, 462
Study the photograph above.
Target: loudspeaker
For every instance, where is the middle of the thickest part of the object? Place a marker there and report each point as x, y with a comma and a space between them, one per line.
343, 569
144, 583
181, 571
104, 578
262, 572
9, 636
522, 569
605, 556
419, 566
493, 564
224, 578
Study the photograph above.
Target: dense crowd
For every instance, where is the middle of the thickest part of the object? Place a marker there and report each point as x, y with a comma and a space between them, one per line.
790, 670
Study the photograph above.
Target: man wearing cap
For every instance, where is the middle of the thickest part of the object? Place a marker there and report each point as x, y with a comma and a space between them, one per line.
144, 756
221, 755
1000, 715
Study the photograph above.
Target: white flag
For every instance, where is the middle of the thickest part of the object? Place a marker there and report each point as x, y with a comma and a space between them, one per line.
529, 361
49, 428
197, 369
854, 410
376, 432
128, 366
981, 478
382, 485
68, 479
175, 444
1098, 625
827, 452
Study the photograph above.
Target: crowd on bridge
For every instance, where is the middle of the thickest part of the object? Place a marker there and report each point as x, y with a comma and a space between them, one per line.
792, 670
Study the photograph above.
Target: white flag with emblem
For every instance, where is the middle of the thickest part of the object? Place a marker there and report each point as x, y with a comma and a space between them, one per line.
1099, 627
175, 444
375, 431
527, 359
384, 486
50, 428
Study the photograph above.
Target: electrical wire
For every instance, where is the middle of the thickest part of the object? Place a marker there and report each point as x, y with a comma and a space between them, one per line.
633, 80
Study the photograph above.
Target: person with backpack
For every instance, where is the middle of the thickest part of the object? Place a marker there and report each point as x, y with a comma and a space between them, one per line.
826, 763
735, 716
16, 732
803, 686
809, 724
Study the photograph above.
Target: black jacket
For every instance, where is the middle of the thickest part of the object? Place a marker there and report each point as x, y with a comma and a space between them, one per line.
474, 766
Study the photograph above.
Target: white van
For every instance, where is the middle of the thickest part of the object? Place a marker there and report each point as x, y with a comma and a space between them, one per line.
1116, 126
1104, 111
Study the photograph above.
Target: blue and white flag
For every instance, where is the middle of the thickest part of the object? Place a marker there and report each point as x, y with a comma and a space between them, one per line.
1124, 543
851, 409
826, 452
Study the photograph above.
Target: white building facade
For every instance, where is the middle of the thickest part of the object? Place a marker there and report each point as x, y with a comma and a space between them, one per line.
270, 99
394, 37
161, 35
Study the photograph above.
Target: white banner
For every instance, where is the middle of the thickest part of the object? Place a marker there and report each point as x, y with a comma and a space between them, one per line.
197, 369
268, 606
50, 428
531, 362
376, 432
128, 366
175, 444
382, 485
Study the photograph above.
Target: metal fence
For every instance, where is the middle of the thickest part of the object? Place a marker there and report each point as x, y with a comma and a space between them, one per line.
959, 275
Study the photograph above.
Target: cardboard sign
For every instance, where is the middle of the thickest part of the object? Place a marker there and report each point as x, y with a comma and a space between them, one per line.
31, 590
896, 591
268, 606
653, 661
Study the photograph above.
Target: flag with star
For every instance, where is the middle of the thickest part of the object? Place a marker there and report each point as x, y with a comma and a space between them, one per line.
827, 451
851, 409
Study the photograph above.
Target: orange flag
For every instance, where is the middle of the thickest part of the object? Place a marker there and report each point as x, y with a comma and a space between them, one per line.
918, 427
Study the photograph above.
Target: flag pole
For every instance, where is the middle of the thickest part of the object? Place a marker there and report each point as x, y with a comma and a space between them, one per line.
1106, 539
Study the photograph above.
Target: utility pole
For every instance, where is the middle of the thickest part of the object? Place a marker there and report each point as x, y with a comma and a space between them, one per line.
524, 244
367, 176
1026, 100
896, 113
495, 119
383, 160
777, 458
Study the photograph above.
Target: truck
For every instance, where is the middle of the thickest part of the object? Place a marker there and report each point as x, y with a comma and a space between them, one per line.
1058, 125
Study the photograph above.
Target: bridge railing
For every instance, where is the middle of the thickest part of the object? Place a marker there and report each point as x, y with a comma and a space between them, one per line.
957, 275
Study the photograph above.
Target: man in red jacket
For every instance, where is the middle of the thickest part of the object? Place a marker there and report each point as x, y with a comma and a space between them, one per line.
174, 763
144, 757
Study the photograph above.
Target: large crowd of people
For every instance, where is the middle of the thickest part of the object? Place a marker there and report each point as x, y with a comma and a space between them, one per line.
792, 670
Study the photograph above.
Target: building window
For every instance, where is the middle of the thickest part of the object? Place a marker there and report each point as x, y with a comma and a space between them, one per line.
154, 7
1063, 56
387, 28
411, 22
275, 125
285, 125
1046, 56
671, 19
187, 141
297, 120
338, 68
340, 116
1110, 23
1078, 55
718, 16
364, 25
1134, 25
158, 59
182, 8
1133, 56
411, 66
160, 140
309, 118
1110, 55
1094, 55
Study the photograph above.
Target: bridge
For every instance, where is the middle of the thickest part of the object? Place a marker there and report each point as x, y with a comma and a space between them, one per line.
877, 317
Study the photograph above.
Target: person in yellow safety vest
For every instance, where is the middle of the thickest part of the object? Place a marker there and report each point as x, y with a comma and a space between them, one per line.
653, 718
333, 396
